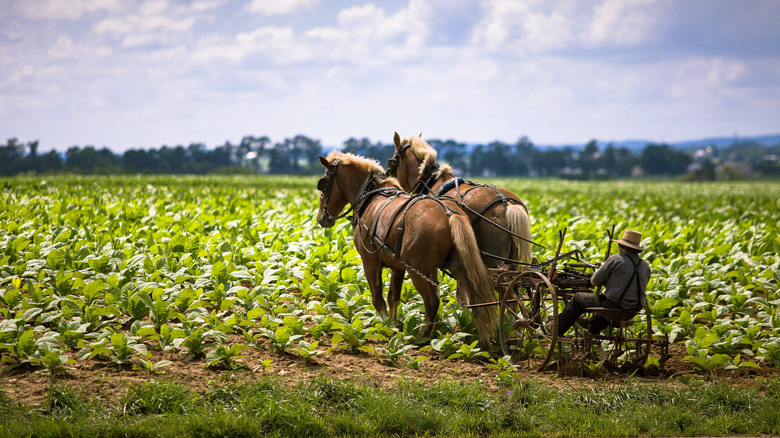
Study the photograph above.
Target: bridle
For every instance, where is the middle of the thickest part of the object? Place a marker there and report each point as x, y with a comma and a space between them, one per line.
395, 160
324, 185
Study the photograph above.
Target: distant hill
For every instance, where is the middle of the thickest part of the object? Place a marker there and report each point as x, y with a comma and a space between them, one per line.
720, 142
638, 145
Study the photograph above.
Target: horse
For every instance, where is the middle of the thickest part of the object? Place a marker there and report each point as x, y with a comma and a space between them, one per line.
416, 234
500, 219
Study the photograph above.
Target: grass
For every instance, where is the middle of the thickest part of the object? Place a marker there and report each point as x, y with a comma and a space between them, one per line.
325, 407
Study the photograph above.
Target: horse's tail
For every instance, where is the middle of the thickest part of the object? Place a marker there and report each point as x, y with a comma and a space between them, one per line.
519, 223
478, 282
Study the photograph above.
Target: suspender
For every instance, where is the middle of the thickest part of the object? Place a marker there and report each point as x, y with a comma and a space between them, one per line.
638, 289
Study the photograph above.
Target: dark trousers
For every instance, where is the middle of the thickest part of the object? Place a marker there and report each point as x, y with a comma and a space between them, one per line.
576, 307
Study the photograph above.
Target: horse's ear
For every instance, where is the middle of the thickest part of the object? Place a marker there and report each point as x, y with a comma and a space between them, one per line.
420, 134
324, 162
397, 140
352, 152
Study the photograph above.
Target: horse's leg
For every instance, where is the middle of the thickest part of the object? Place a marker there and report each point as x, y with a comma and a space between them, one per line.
394, 292
373, 270
430, 297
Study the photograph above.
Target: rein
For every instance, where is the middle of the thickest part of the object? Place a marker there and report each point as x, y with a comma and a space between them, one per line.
425, 183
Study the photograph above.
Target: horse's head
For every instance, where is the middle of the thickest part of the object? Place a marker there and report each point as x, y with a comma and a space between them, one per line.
333, 198
411, 158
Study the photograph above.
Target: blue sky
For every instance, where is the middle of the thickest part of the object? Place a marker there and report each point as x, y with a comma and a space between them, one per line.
142, 74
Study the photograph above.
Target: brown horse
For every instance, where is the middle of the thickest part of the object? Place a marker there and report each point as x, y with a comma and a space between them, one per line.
404, 233
492, 210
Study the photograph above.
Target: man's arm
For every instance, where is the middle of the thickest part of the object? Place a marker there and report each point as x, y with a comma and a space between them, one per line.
599, 278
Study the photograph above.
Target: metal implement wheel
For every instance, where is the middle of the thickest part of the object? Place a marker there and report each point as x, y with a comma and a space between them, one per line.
627, 348
529, 315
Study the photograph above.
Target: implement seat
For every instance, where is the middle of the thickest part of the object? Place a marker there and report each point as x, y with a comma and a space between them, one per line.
618, 318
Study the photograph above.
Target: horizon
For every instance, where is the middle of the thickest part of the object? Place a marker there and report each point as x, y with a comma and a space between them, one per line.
140, 75
633, 144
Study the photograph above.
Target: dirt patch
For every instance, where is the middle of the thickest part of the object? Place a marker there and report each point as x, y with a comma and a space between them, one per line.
108, 381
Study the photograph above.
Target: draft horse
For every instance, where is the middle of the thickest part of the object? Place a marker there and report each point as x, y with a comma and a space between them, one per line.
417, 234
492, 210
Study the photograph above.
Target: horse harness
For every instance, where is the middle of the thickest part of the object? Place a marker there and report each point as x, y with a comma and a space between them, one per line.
370, 189
428, 178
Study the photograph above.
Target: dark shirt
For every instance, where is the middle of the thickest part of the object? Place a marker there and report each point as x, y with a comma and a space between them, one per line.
616, 272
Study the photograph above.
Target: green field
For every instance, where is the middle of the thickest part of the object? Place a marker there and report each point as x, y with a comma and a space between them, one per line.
92, 262
112, 269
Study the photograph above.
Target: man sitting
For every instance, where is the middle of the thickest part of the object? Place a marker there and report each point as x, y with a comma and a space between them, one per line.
625, 276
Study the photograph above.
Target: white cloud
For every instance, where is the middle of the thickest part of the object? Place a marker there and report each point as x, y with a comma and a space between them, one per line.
624, 22
63, 10
280, 7
277, 46
154, 22
65, 48
704, 79
526, 27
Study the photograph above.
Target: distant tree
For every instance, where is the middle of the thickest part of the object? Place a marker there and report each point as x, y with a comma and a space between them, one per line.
221, 156
312, 150
704, 172
253, 151
139, 161
589, 158
499, 158
660, 159
553, 161
524, 156
378, 151
50, 162
452, 152
303, 153
31, 162
11, 155
769, 166
197, 161
91, 160
280, 161
479, 161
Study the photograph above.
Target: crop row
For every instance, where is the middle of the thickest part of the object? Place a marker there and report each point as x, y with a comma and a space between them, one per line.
111, 268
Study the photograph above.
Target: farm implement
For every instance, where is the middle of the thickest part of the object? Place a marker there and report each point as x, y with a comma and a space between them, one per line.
531, 298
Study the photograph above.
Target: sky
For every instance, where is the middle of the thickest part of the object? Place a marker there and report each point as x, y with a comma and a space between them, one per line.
127, 74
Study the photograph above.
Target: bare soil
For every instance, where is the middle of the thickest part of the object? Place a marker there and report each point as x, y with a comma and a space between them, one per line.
108, 381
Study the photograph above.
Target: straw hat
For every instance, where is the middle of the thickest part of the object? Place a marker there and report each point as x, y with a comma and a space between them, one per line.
631, 239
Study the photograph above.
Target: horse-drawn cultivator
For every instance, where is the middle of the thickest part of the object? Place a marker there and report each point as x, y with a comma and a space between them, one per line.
416, 218
530, 300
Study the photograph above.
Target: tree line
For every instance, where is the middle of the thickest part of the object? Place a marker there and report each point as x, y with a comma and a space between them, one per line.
298, 156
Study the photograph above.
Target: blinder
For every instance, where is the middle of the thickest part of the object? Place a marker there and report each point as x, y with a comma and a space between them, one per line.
322, 184
325, 183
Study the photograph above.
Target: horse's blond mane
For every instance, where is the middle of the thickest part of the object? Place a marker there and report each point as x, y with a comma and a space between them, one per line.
363, 163
423, 151
391, 181
445, 171
367, 164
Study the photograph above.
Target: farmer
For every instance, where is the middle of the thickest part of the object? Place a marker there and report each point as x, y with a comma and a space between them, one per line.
625, 276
